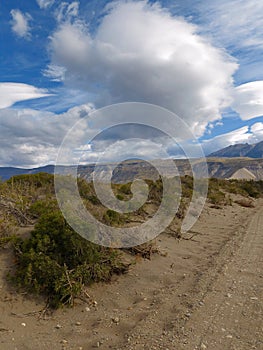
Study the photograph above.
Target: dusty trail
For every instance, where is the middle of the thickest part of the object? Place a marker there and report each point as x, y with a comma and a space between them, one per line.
232, 315
225, 308
207, 293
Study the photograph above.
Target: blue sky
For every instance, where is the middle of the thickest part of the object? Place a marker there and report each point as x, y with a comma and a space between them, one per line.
61, 59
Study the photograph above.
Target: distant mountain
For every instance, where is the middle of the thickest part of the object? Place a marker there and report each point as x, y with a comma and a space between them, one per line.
240, 150
7, 172
224, 168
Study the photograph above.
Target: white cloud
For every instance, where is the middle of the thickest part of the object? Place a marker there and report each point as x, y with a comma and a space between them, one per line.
141, 53
257, 131
31, 138
245, 134
248, 100
66, 12
11, 93
55, 72
43, 4
123, 150
235, 22
20, 23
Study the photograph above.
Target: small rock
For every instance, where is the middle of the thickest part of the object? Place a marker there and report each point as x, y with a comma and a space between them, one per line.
253, 298
58, 326
229, 336
78, 324
116, 320
203, 346
64, 341
87, 309
229, 295
23, 324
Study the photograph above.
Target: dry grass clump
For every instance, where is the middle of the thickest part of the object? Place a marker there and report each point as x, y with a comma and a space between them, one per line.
145, 250
245, 202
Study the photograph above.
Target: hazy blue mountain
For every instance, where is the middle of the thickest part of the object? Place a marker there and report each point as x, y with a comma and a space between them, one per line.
240, 150
7, 172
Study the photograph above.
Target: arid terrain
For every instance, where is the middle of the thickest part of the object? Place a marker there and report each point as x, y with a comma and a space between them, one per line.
204, 291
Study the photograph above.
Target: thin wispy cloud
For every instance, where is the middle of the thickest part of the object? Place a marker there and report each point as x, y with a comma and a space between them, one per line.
10, 93
43, 4
20, 23
67, 12
235, 23
237, 26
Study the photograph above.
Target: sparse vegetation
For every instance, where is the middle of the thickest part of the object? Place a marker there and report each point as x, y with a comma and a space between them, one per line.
58, 263
55, 261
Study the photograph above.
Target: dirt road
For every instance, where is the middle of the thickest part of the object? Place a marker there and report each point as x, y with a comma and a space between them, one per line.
232, 314
203, 293
225, 308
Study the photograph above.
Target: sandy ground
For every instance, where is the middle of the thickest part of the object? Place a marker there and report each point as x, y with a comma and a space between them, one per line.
204, 293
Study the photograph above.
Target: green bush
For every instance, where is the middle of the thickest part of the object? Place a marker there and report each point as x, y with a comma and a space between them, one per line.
36, 180
217, 197
57, 262
125, 188
120, 197
42, 207
251, 188
112, 217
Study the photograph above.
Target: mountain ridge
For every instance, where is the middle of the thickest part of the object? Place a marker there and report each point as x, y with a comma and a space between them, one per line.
127, 171
240, 150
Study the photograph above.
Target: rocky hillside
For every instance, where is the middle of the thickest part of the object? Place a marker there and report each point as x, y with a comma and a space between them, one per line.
241, 150
222, 168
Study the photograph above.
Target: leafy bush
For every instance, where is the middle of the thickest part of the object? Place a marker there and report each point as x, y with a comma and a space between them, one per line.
36, 180
57, 262
251, 188
125, 188
41, 207
112, 217
120, 197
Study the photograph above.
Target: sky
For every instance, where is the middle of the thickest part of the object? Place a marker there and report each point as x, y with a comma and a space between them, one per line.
61, 60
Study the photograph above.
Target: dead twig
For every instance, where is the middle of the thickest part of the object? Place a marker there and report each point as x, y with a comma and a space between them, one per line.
194, 234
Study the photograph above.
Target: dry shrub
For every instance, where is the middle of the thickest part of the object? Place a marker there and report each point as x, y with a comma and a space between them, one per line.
246, 203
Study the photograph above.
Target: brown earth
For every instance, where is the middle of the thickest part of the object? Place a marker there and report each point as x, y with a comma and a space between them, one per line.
202, 292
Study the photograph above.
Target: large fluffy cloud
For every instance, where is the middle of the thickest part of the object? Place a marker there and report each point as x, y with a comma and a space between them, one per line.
20, 23
11, 93
141, 53
39, 136
31, 138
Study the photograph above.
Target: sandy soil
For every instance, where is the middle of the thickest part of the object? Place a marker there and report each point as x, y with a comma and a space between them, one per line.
204, 293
